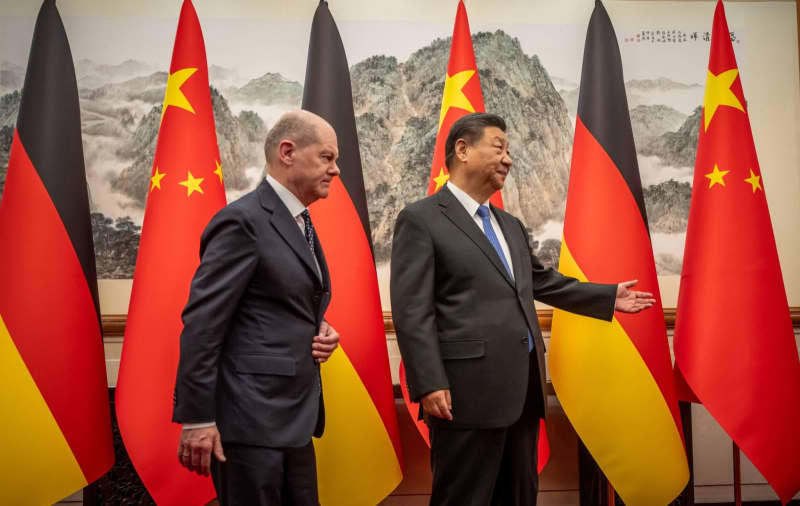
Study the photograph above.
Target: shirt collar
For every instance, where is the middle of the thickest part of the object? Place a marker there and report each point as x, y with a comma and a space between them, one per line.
288, 198
470, 204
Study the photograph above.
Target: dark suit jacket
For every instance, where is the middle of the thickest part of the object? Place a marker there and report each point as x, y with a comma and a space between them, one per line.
256, 303
462, 323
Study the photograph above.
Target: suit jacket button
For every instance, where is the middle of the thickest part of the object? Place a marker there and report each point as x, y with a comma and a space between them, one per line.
525, 339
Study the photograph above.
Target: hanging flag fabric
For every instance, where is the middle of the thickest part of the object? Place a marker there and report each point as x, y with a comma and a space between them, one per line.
462, 95
614, 379
184, 191
56, 430
359, 459
734, 342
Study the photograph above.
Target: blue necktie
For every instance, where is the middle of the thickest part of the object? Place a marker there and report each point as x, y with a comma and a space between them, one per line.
488, 229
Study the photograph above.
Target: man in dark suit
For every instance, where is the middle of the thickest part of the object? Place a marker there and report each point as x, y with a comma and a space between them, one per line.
254, 334
463, 281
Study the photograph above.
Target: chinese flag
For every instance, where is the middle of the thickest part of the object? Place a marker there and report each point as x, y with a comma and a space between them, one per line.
359, 458
614, 379
184, 191
55, 430
734, 342
462, 95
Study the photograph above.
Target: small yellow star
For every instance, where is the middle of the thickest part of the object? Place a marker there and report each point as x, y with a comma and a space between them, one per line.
716, 176
218, 171
441, 179
453, 95
192, 184
755, 181
718, 92
155, 181
173, 95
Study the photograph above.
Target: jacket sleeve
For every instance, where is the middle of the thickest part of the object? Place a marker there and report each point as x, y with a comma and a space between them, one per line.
413, 305
228, 259
595, 300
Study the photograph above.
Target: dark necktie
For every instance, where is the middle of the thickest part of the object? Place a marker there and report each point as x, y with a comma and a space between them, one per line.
488, 229
309, 230
309, 233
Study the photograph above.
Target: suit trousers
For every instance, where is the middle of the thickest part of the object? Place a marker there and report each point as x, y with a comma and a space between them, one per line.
496, 466
261, 476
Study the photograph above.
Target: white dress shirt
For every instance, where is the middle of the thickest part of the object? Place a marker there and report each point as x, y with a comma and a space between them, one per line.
296, 209
471, 205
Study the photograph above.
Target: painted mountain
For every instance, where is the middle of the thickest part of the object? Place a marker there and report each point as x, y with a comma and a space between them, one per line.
397, 109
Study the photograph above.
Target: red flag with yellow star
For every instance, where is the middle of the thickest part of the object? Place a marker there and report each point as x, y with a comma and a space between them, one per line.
185, 191
462, 95
734, 342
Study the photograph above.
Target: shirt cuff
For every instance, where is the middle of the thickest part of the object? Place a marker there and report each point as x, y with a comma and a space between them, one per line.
198, 425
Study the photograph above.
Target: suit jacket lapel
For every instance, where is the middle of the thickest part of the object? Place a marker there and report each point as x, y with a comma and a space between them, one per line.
456, 213
286, 227
323, 265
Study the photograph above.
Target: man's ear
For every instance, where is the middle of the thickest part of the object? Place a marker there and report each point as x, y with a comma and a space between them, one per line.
461, 150
286, 151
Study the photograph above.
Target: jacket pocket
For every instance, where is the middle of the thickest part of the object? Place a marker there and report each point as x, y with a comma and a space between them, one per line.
264, 364
456, 350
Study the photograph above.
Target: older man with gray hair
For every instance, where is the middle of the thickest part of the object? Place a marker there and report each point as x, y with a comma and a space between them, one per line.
254, 332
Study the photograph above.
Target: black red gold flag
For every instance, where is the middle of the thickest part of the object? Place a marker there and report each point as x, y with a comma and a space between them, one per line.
614, 379
56, 434
359, 458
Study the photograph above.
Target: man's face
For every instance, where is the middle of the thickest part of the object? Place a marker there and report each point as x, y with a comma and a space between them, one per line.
488, 159
315, 166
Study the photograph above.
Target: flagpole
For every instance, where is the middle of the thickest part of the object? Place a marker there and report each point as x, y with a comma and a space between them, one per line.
737, 475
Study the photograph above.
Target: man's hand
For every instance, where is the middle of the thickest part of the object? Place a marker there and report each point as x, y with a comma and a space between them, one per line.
324, 343
195, 447
632, 301
438, 404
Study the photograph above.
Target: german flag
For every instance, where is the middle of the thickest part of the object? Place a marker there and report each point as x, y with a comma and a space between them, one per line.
56, 429
184, 191
615, 379
742, 361
359, 458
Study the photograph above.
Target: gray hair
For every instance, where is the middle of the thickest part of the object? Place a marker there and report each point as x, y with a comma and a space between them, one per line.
291, 126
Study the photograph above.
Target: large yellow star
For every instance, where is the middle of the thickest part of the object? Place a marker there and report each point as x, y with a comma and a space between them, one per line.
155, 181
219, 170
716, 176
441, 179
192, 184
453, 95
718, 92
174, 96
755, 181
